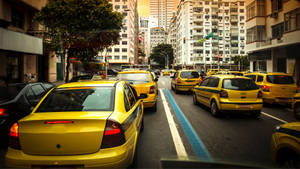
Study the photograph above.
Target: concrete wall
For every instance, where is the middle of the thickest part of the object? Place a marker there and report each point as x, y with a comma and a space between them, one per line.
269, 65
30, 66
52, 67
290, 65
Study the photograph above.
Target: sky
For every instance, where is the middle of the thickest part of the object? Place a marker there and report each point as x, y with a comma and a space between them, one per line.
143, 7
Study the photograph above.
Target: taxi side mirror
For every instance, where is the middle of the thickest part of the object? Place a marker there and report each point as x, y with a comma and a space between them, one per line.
143, 96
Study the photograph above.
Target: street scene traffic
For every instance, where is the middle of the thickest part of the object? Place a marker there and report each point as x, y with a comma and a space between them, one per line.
149, 84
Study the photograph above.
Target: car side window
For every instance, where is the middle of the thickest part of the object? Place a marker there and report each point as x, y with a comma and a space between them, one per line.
130, 95
175, 75
38, 90
213, 82
260, 78
205, 82
253, 77
126, 102
48, 86
30, 96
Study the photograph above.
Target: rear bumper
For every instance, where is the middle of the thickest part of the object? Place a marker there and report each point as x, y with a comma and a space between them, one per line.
149, 101
185, 87
269, 97
119, 157
241, 107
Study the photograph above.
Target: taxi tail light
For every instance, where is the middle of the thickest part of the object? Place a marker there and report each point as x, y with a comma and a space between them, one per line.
179, 80
259, 94
3, 112
152, 89
14, 141
297, 89
113, 135
265, 88
223, 94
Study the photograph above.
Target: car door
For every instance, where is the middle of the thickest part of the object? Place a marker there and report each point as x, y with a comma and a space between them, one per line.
201, 92
212, 88
136, 109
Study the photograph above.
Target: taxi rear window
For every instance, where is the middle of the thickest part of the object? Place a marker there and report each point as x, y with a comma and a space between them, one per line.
78, 99
280, 79
189, 75
239, 84
135, 78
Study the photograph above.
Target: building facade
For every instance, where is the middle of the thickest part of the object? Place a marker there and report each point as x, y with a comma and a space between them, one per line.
157, 36
273, 36
21, 53
126, 51
162, 10
172, 34
196, 19
144, 38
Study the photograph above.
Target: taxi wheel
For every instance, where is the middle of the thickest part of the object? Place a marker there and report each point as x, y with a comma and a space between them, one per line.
172, 87
256, 114
154, 108
176, 91
214, 109
297, 111
195, 99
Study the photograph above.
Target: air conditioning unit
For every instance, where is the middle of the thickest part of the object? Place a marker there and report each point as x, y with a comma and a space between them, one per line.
274, 15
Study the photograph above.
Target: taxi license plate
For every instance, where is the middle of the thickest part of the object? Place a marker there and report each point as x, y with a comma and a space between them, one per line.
244, 106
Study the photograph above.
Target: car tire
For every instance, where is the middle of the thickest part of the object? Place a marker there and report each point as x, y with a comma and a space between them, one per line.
154, 108
176, 91
256, 114
195, 101
297, 111
214, 109
290, 161
172, 87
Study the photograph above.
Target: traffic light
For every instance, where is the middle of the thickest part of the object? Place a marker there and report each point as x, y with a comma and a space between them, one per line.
184, 40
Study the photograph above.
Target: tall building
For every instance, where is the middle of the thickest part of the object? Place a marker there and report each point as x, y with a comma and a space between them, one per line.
144, 38
273, 36
162, 10
21, 52
196, 19
126, 51
172, 34
157, 36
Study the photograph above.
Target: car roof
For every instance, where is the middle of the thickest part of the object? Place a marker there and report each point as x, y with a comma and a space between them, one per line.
133, 71
268, 73
229, 76
89, 84
188, 70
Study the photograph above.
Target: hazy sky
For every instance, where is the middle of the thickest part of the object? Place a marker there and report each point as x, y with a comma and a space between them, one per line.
143, 7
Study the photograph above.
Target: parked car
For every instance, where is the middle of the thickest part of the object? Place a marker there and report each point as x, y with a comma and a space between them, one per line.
222, 93
82, 125
143, 82
276, 87
185, 80
285, 145
17, 101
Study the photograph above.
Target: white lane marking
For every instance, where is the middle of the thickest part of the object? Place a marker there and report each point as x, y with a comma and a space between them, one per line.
181, 152
274, 117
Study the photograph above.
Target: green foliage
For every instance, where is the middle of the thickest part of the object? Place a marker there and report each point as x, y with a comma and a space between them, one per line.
160, 52
83, 26
242, 60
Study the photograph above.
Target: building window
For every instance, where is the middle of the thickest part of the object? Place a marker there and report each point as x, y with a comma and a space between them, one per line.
241, 3
206, 2
233, 9
109, 50
256, 33
124, 57
207, 52
117, 6
124, 42
292, 20
124, 35
109, 57
277, 30
117, 57
124, 49
206, 10
276, 5
117, 0
117, 50
124, 6
241, 10
17, 18
124, 13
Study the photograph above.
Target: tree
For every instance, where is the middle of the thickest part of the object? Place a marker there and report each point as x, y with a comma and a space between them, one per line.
242, 61
160, 53
82, 27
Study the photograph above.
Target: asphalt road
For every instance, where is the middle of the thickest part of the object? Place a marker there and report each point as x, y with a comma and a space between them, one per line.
232, 138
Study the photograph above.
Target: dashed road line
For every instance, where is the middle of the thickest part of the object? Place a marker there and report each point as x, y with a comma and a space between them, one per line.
273, 117
181, 152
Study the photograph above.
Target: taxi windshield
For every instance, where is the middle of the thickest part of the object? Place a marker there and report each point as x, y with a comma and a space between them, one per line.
239, 84
189, 75
136, 78
280, 79
85, 99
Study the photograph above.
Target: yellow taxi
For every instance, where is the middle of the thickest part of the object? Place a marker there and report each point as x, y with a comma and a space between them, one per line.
211, 72
79, 125
166, 72
185, 80
276, 87
285, 145
229, 93
236, 73
296, 104
143, 82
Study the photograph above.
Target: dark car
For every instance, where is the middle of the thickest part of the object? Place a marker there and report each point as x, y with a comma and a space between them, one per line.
17, 101
112, 72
